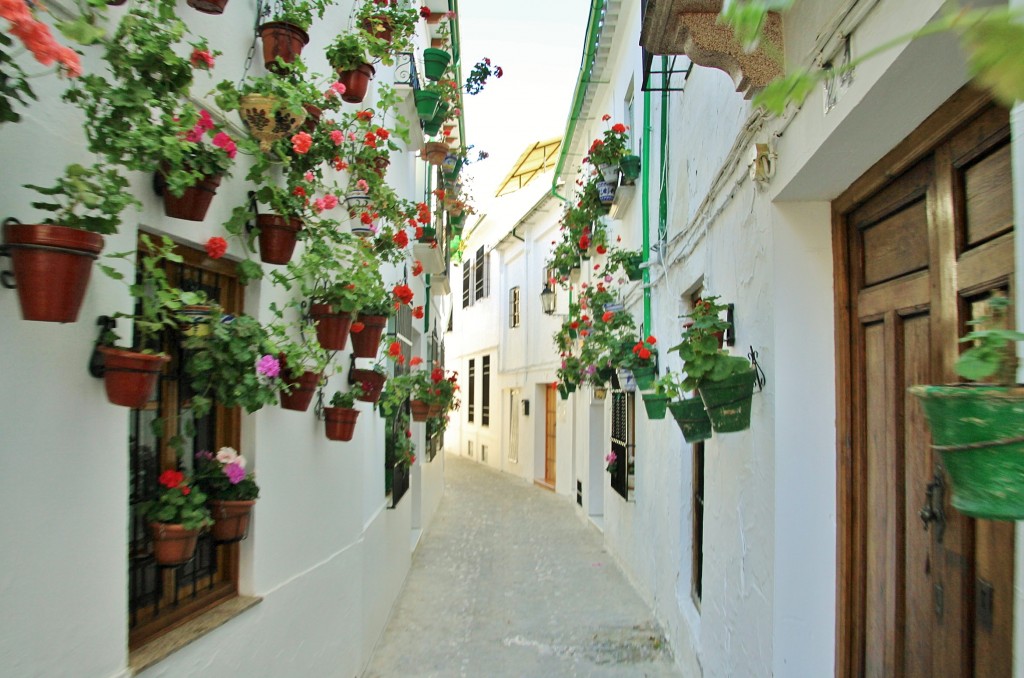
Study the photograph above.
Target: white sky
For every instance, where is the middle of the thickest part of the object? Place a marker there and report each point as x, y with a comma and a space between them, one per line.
538, 44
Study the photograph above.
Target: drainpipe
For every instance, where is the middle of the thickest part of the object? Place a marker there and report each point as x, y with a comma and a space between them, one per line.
645, 183
582, 83
663, 160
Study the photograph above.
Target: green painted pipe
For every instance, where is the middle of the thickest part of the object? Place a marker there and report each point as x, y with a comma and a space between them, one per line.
645, 183
663, 160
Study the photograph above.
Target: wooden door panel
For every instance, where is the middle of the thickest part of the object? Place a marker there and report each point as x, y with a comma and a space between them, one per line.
550, 443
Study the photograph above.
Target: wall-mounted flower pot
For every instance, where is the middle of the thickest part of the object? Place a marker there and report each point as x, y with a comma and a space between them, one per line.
977, 430
383, 29
195, 320
429, 256
565, 388
277, 237
302, 387
431, 127
130, 377
268, 119
630, 167
356, 82
366, 342
313, 115
194, 201
172, 543
281, 39
606, 192
209, 6
609, 173
692, 418
230, 519
332, 327
371, 381
728, 401
435, 152
644, 377
52, 266
427, 103
452, 166
655, 404
420, 410
435, 61
340, 423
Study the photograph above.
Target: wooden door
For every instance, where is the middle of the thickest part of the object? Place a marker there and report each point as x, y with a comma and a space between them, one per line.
550, 413
920, 240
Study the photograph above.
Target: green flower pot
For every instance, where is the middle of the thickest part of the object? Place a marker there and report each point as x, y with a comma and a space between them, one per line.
630, 166
431, 128
427, 103
631, 266
692, 419
979, 431
656, 405
434, 63
565, 389
644, 377
728, 401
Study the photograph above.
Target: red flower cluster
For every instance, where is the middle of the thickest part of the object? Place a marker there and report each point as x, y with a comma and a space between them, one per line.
608, 315
417, 312
437, 375
401, 238
403, 294
216, 247
395, 349
619, 128
171, 478
201, 58
37, 37
301, 143
365, 114
416, 360
417, 268
423, 213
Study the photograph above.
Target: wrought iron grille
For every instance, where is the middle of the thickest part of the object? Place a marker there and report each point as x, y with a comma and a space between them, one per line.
405, 70
623, 443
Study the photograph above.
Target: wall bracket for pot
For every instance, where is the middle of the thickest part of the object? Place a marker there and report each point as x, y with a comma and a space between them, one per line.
318, 409
759, 377
250, 225
7, 275
106, 324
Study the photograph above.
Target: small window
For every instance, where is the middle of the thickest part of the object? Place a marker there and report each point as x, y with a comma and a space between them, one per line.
470, 388
513, 307
467, 284
630, 118
485, 391
623, 443
481, 274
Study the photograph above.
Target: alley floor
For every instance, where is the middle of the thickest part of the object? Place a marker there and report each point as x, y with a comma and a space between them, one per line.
509, 582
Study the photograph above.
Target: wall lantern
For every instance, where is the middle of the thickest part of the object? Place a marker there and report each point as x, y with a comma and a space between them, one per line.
548, 299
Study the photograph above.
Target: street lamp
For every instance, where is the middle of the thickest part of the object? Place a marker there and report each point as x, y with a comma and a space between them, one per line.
548, 299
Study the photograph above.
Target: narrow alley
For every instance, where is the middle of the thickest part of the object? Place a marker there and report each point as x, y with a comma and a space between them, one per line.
508, 581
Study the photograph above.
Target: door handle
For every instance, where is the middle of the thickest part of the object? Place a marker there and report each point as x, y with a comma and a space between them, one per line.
933, 511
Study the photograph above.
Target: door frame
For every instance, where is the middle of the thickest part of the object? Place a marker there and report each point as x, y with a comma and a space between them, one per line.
957, 111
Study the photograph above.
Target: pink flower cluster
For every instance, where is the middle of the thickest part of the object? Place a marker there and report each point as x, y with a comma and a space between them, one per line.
328, 202
221, 140
268, 366
37, 37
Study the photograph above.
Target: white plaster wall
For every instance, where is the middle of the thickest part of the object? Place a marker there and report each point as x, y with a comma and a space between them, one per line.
327, 587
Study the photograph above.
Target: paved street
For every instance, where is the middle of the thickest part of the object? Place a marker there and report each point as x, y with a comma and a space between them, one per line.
508, 581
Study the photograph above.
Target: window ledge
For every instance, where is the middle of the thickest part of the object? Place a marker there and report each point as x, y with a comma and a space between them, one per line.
160, 648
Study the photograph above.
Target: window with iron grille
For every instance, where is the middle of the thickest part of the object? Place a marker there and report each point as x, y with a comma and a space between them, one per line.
435, 426
623, 443
470, 388
513, 307
485, 391
467, 284
396, 475
161, 598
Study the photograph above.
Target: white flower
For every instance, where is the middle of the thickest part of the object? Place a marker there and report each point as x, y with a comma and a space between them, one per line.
227, 455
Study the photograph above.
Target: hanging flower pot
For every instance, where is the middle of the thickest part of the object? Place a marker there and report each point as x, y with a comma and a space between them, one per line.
313, 115
209, 6
281, 39
194, 201
655, 404
130, 377
340, 423
356, 82
52, 265
977, 430
629, 165
277, 237
366, 341
426, 103
420, 410
728, 401
431, 127
332, 327
430, 257
379, 26
230, 519
644, 377
631, 266
172, 544
302, 389
452, 166
610, 173
692, 419
627, 382
356, 200
435, 152
196, 322
606, 192
267, 119
371, 381
565, 388
435, 61
380, 165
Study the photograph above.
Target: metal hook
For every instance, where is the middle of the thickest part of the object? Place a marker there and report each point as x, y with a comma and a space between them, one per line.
96, 362
759, 377
7, 274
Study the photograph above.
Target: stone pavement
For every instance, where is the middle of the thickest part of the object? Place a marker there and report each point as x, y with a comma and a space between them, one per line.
509, 582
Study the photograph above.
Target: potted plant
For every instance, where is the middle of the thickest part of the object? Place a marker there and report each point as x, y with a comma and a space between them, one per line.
192, 169
130, 375
628, 261
348, 55
607, 152
52, 261
302, 360
231, 492
285, 34
271, 105
340, 417
375, 308
432, 393
388, 28
977, 427
370, 382
690, 414
176, 518
725, 382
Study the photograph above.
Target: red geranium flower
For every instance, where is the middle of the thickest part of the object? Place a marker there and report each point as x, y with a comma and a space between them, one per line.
365, 115
403, 293
601, 249
401, 238
417, 312
608, 315
416, 360
301, 143
437, 375
201, 58
619, 128
216, 247
171, 478
417, 268
651, 340
395, 349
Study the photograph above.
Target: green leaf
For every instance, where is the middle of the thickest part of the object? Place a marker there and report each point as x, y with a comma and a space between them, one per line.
974, 366
80, 30
993, 47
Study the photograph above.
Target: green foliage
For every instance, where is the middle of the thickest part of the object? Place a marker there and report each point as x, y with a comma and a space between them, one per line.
348, 51
747, 18
183, 505
703, 360
297, 12
88, 198
993, 353
372, 18
347, 399
993, 45
14, 87
212, 477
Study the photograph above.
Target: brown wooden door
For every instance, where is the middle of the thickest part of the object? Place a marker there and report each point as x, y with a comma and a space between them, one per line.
920, 240
550, 413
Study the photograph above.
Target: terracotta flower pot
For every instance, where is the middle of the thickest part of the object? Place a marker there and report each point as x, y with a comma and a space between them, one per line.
172, 544
371, 381
194, 202
231, 519
313, 115
356, 82
366, 342
277, 237
52, 265
435, 152
130, 377
302, 389
209, 6
420, 410
267, 120
332, 328
281, 39
385, 30
340, 423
